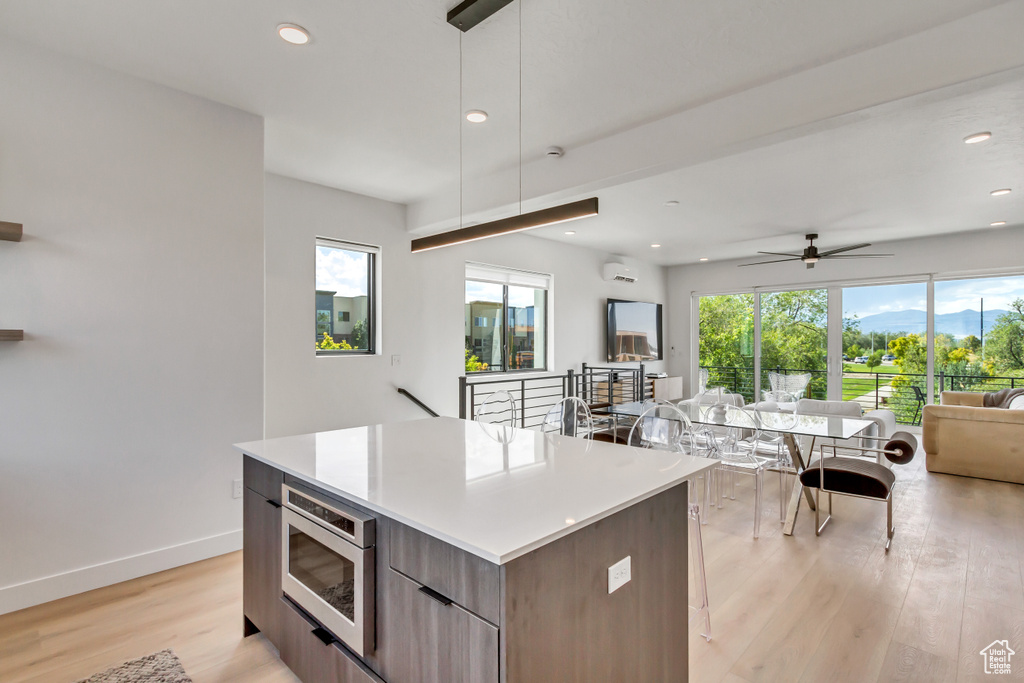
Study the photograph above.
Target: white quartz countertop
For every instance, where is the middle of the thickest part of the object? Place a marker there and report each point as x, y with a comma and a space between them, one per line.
494, 491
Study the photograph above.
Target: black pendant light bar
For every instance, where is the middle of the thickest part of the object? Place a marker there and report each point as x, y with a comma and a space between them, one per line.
504, 226
469, 13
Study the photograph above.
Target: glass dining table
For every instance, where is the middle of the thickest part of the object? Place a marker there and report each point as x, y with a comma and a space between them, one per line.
789, 425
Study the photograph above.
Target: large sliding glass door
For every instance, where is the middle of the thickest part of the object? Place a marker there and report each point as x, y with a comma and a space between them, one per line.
794, 339
885, 353
726, 342
979, 334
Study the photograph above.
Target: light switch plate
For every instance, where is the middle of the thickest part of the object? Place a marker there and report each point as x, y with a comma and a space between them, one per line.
236, 488
619, 574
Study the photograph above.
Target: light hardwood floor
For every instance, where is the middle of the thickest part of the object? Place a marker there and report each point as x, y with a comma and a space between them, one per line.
804, 608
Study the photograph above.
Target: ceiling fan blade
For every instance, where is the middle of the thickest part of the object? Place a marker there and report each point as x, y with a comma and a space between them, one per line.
761, 263
858, 256
841, 249
776, 253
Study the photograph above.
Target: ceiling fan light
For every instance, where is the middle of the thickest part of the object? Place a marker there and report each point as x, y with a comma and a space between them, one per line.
811, 259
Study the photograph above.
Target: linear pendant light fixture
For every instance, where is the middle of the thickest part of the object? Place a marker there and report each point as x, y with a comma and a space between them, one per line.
465, 16
504, 226
469, 13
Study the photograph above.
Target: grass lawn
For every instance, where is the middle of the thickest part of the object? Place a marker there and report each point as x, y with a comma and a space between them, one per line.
862, 380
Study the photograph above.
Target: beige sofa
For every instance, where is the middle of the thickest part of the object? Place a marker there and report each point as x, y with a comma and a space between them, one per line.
963, 437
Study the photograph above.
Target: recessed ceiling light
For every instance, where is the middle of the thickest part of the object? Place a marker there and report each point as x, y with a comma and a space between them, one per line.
977, 137
570, 232
672, 202
476, 116
703, 258
996, 193
655, 246
996, 224
294, 34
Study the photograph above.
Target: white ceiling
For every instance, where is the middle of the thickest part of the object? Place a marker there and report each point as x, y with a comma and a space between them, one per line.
798, 135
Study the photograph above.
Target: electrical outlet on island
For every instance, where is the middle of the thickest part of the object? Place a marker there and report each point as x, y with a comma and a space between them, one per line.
619, 574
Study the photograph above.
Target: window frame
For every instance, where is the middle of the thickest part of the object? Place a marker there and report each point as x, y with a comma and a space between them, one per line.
513, 277
373, 268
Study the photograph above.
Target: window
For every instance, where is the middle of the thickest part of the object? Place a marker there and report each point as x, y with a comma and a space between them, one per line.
506, 319
345, 298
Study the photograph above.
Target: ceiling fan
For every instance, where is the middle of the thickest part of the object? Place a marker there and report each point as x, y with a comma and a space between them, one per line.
811, 254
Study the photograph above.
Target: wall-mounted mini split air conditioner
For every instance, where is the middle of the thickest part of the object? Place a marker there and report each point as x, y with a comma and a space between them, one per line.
618, 272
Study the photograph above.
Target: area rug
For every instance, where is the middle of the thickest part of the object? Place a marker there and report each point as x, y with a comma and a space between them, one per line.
159, 667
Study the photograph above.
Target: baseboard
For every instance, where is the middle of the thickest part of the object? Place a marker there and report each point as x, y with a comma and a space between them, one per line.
38, 591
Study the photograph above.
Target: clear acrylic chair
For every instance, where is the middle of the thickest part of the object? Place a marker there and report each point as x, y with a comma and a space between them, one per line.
497, 408
791, 384
664, 427
777, 410
569, 417
740, 453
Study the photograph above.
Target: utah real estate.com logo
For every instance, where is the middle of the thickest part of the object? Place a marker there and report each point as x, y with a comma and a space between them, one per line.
997, 657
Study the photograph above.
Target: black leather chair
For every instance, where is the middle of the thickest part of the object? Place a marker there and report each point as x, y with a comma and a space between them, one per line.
857, 476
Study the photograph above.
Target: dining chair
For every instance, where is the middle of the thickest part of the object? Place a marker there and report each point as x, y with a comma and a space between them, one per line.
569, 417
664, 427
791, 384
740, 452
497, 408
770, 413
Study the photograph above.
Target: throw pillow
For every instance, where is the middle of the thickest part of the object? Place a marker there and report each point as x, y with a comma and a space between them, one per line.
1017, 403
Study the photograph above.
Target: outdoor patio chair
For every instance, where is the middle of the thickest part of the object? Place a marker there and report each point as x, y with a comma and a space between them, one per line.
790, 384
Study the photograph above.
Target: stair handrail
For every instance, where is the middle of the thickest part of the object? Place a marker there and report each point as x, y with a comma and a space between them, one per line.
421, 404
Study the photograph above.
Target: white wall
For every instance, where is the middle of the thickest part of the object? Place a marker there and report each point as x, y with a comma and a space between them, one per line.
422, 303
968, 253
139, 284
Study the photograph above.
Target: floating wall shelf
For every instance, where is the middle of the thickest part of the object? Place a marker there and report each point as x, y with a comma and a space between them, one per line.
12, 335
10, 231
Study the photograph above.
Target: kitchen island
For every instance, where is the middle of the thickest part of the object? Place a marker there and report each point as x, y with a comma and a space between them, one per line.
478, 553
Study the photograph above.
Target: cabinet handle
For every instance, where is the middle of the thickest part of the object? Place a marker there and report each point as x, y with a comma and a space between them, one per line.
274, 503
324, 635
434, 595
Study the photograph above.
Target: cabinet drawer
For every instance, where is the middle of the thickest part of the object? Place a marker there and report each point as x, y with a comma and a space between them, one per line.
425, 641
262, 478
261, 563
313, 661
468, 580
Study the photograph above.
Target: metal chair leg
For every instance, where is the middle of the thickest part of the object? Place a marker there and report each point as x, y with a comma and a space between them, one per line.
890, 529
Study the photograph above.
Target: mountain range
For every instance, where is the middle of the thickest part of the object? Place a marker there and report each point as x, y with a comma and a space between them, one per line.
958, 324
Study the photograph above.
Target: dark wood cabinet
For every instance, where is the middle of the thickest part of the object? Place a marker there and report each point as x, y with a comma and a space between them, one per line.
444, 615
313, 660
261, 564
432, 642
470, 581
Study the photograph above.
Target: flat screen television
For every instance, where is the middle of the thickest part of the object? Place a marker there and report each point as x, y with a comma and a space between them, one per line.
634, 331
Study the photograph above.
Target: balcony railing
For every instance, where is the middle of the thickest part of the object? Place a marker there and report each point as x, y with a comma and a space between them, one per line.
904, 394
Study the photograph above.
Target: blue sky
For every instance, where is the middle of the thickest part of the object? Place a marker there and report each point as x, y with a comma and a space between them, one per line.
343, 272
950, 297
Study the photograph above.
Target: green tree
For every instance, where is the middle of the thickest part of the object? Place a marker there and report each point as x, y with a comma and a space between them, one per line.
328, 344
855, 351
359, 336
1004, 345
874, 360
911, 353
473, 363
971, 343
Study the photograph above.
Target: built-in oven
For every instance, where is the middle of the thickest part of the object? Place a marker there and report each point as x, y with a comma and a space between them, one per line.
328, 565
